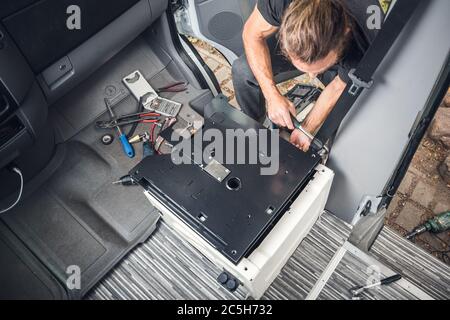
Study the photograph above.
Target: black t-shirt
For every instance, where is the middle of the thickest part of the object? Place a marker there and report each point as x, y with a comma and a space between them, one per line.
362, 37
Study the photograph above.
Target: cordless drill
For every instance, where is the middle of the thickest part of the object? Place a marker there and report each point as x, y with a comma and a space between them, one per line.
438, 224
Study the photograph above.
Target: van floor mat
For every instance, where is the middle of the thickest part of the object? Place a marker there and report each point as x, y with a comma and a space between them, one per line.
78, 219
71, 214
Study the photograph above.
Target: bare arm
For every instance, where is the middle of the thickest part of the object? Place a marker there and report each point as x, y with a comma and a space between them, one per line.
324, 105
256, 31
319, 113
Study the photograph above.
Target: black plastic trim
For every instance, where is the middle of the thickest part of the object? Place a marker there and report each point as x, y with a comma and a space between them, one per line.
208, 70
184, 56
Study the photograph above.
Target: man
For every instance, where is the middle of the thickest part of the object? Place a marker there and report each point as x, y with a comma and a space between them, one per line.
324, 38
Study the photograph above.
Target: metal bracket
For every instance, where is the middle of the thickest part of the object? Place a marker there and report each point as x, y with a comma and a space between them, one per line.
216, 170
369, 204
368, 222
357, 83
143, 92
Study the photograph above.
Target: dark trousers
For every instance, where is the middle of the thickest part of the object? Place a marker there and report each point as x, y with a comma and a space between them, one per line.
248, 93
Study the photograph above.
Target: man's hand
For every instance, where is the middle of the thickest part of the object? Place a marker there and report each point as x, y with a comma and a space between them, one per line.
279, 110
300, 140
319, 113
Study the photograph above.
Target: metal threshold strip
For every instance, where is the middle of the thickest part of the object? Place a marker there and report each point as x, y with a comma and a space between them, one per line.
373, 268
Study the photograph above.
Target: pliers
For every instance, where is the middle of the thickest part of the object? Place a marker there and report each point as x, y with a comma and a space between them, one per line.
142, 117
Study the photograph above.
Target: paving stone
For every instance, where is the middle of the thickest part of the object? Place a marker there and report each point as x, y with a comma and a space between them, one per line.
447, 99
441, 207
446, 141
204, 57
444, 170
212, 63
417, 172
423, 194
394, 203
410, 217
393, 206
445, 237
223, 74
234, 103
203, 51
440, 127
406, 184
221, 59
228, 86
434, 241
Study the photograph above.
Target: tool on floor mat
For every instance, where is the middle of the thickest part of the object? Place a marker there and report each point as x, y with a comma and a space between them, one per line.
356, 291
179, 86
149, 146
164, 106
126, 181
127, 148
140, 138
437, 224
146, 139
107, 139
144, 117
143, 91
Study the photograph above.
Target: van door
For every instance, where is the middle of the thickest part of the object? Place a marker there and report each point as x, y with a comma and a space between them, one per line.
217, 22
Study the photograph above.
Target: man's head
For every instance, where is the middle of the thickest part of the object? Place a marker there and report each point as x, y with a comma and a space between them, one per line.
314, 34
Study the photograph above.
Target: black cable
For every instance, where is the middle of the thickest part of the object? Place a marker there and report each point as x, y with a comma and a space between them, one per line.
17, 171
443, 255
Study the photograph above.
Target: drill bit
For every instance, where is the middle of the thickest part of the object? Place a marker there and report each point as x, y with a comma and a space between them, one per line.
125, 181
416, 232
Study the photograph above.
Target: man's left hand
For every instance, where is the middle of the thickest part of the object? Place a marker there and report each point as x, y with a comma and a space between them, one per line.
300, 140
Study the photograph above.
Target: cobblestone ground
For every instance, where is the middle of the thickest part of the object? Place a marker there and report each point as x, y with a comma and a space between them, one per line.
421, 195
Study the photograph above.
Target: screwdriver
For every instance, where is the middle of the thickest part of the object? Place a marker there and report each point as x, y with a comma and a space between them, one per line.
358, 290
126, 146
318, 144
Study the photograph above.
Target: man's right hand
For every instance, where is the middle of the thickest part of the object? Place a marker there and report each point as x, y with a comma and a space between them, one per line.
279, 110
